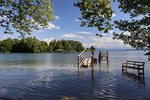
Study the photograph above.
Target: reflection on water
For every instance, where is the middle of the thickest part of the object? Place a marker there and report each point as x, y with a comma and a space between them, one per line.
140, 77
104, 66
52, 76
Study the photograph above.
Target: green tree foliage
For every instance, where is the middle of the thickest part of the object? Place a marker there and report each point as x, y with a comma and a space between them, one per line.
33, 45
139, 29
6, 45
25, 14
96, 13
89, 49
25, 45
92, 47
66, 45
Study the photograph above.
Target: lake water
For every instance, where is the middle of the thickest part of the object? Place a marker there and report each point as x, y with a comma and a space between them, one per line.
51, 76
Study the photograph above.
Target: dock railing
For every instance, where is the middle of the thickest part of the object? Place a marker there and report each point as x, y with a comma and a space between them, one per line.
80, 58
103, 56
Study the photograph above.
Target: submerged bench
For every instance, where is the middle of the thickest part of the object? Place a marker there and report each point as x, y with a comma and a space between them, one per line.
133, 65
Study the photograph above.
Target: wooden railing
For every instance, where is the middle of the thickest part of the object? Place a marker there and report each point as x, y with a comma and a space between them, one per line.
103, 55
80, 58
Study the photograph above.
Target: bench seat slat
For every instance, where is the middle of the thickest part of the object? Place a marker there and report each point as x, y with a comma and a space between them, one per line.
133, 64
135, 61
132, 67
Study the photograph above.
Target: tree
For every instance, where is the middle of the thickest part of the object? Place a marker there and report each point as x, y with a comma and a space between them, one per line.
58, 45
97, 13
139, 29
25, 14
49, 49
66, 45
44, 46
6, 45
92, 47
79, 47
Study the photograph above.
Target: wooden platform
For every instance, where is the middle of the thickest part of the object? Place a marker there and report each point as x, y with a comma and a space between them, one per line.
86, 62
103, 56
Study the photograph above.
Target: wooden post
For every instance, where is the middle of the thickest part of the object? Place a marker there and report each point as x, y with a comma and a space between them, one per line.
93, 53
92, 56
122, 67
99, 56
92, 72
143, 66
107, 56
126, 65
78, 61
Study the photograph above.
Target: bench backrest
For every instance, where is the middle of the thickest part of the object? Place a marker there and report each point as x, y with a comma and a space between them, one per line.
135, 63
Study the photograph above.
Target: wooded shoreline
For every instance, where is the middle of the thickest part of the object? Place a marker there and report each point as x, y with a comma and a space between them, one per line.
33, 45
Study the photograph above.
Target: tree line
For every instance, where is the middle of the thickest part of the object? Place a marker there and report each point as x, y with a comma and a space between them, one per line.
33, 45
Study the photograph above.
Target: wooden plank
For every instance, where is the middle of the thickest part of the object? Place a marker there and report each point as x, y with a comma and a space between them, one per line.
132, 67
89, 61
86, 62
135, 61
80, 58
133, 64
81, 53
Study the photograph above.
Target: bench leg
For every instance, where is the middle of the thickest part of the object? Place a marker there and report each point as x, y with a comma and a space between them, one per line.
124, 69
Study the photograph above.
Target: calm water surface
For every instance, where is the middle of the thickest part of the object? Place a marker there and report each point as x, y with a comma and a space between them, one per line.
52, 76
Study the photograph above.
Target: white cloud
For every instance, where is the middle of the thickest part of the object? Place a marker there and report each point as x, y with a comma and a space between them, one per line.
3, 37
39, 31
76, 20
114, 15
72, 36
48, 40
52, 26
56, 17
104, 42
84, 32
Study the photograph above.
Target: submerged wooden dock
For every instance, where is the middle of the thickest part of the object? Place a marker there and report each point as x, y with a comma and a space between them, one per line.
82, 61
88, 61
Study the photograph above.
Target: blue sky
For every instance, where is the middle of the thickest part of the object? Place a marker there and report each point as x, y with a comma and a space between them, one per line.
67, 26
